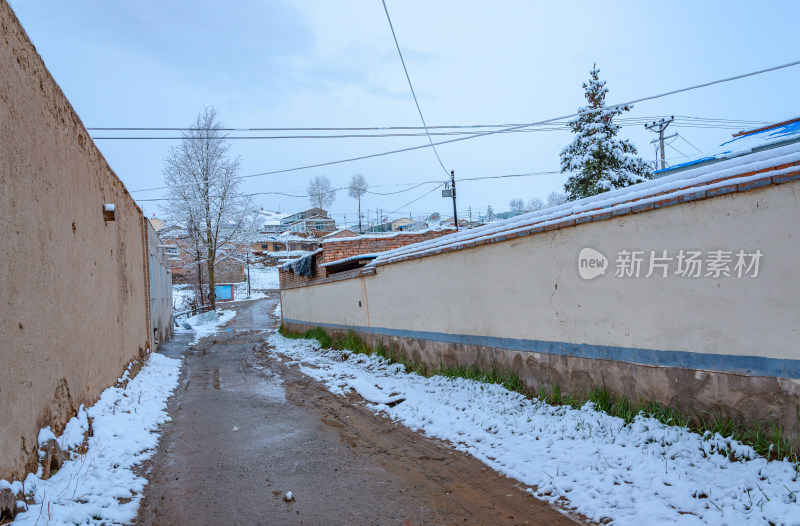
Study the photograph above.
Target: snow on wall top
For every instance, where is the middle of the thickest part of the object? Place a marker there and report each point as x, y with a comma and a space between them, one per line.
747, 143
387, 235
369, 255
339, 231
678, 184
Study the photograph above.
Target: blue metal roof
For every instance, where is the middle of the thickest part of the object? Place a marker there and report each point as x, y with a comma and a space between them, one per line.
746, 143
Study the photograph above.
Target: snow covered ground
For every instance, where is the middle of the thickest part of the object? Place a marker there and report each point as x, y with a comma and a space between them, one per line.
206, 323
100, 486
263, 278
182, 296
642, 473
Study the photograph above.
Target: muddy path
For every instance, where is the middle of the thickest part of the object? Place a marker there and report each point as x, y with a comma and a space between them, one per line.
247, 428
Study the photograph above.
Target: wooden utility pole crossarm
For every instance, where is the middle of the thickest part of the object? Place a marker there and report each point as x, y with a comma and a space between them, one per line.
659, 127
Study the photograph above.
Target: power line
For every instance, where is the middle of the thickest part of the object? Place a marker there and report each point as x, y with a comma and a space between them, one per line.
415, 200
286, 194
620, 120
557, 127
338, 136
494, 132
690, 144
408, 78
414, 186
677, 150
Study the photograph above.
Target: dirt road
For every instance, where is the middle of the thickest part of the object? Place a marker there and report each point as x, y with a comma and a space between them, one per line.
247, 429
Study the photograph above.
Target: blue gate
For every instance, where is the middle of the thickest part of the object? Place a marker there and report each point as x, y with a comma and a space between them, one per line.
224, 292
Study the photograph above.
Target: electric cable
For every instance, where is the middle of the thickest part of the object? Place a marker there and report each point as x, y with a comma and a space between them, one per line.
408, 78
494, 132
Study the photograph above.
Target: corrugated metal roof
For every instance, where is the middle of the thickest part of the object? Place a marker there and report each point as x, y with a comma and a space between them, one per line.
779, 134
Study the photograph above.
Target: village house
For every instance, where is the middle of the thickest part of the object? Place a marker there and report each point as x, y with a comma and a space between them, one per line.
314, 221
342, 232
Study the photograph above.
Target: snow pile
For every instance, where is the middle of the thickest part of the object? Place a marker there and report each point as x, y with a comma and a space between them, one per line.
262, 278
182, 296
642, 473
240, 293
100, 487
206, 323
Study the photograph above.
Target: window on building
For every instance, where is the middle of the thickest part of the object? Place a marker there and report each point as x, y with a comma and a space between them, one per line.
320, 225
264, 246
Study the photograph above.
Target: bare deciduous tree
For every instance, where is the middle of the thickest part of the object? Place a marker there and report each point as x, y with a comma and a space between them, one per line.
204, 196
517, 205
535, 204
556, 198
321, 192
358, 187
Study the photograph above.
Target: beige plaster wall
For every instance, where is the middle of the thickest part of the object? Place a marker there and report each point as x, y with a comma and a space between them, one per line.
73, 300
529, 288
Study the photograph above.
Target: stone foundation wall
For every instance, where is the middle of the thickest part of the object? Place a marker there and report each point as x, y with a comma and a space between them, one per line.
745, 397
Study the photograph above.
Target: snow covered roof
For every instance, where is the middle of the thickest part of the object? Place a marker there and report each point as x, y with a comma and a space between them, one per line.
386, 235
283, 237
761, 168
335, 232
267, 218
310, 219
744, 143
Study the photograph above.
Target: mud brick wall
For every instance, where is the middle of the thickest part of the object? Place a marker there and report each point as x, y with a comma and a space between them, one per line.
74, 289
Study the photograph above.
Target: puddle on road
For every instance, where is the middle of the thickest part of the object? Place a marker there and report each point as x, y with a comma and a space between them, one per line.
259, 381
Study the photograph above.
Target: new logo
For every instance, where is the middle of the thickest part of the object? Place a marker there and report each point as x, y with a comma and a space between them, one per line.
591, 263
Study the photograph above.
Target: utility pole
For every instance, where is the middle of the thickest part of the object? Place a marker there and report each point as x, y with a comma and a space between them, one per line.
450, 191
470, 213
248, 275
659, 127
453, 186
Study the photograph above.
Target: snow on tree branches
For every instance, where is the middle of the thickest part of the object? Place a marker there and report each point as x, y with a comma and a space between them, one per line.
204, 196
320, 192
603, 161
358, 187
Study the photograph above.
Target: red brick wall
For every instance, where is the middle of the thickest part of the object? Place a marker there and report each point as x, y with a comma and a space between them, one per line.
335, 249
289, 279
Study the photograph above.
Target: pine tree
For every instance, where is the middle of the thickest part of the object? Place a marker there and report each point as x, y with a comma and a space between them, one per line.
603, 161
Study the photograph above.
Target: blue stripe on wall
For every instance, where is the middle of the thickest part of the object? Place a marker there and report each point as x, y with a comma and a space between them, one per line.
725, 363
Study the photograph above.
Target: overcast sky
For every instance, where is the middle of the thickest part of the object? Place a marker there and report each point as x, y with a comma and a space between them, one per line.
322, 63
